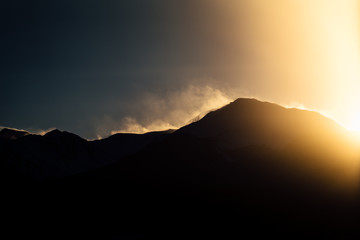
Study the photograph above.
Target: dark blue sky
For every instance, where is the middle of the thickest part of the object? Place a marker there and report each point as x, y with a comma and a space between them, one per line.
68, 64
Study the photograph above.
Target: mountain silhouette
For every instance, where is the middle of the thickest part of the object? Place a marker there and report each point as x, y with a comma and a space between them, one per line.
8, 133
60, 153
250, 167
249, 122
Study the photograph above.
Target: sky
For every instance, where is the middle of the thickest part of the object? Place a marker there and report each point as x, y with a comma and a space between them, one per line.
96, 68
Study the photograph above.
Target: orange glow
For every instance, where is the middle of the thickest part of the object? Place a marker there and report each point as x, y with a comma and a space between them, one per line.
354, 123
306, 51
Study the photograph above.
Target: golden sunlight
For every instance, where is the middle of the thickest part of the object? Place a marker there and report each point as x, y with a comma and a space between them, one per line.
354, 123
309, 53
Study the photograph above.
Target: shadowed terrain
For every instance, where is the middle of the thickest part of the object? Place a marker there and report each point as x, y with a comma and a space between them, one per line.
250, 167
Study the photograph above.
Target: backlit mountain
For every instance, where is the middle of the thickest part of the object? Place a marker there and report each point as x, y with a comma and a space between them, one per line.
249, 167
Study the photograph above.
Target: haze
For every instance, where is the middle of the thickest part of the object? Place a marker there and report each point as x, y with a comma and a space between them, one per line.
99, 67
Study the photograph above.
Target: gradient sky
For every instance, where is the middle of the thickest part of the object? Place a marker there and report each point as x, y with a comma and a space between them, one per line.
99, 67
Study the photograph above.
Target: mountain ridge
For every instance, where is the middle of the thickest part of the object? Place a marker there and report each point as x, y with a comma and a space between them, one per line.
249, 167
9, 133
244, 122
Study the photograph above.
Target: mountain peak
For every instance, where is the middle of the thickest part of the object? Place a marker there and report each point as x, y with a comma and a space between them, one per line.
55, 132
248, 121
59, 135
251, 102
246, 100
8, 133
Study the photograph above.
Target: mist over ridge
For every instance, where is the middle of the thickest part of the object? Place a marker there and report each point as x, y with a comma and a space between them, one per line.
83, 68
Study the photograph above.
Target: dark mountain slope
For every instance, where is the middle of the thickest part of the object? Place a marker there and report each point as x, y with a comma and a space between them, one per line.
249, 121
60, 153
325, 149
228, 174
8, 133
250, 133
248, 168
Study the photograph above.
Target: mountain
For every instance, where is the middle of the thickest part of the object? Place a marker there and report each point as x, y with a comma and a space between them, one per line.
8, 133
249, 121
317, 140
257, 136
250, 167
59, 153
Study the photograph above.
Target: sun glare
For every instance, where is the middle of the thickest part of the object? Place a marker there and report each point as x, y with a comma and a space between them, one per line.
313, 59
344, 60
354, 124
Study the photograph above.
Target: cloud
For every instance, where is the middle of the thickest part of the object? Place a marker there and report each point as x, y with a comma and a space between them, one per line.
172, 110
131, 125
15, 129
35, 131
41, 132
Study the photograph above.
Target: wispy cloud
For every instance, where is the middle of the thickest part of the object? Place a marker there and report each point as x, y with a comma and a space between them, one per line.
171, 110
30, 130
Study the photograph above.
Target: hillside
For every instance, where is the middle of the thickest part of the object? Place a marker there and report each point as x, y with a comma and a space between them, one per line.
250, 167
